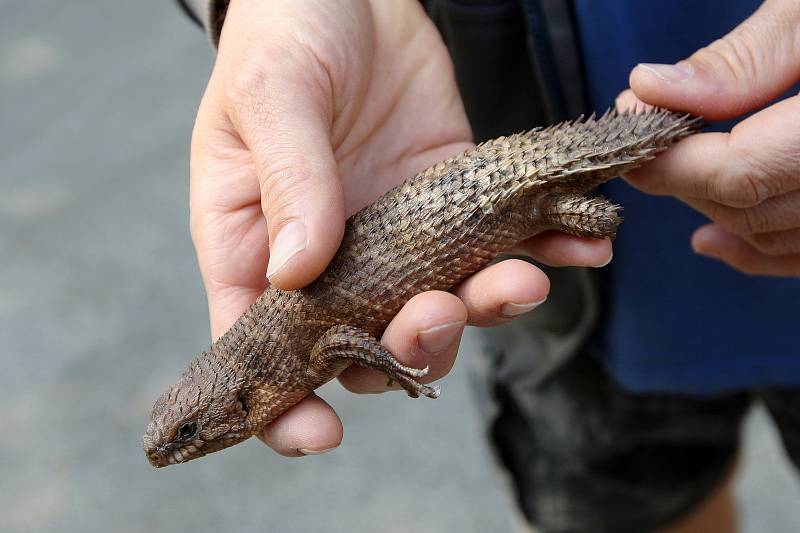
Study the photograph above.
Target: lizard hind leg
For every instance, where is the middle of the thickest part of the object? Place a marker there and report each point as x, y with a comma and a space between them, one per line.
342, 345
580, 215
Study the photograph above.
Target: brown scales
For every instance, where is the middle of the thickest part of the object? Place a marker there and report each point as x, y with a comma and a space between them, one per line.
428, 233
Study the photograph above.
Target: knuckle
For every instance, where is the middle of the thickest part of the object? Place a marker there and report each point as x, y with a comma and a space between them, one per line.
270, 70
750, 178
763, 242
774, 243
730, 219
740, 191
202, 227
730, 56
774, 173
750, 221
739, 221
248, 78
284, 183
716, 187
718, 213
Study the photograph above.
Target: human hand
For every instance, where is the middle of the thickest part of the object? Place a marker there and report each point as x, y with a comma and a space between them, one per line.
313, 110
746, 181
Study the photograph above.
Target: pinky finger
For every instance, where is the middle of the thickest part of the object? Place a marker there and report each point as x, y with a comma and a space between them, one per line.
559, 249
713, 241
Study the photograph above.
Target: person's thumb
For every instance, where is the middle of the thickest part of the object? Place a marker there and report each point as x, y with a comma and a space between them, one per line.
749, 67
282, 113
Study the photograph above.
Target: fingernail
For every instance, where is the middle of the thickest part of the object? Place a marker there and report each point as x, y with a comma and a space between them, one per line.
306, 451
291, 239
669, 73
607, 261
438, 338
511, 309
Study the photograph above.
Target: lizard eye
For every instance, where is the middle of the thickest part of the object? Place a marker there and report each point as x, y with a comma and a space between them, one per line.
187, 430
243, 405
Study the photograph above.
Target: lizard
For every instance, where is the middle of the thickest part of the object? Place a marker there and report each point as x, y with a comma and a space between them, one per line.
428, 233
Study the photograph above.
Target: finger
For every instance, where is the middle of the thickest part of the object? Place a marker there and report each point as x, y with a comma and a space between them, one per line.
310, 427
742, 71
713, 241
503, 291
227, 226
775, 214
775, 243
280, 106
757, 160
559, 249
426, 332
628, 102
226, 304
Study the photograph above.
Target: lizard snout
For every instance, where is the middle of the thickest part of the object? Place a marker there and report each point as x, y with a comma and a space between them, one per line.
156, 459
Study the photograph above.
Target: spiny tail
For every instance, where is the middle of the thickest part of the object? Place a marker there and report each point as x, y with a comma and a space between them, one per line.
594, 150
573, 157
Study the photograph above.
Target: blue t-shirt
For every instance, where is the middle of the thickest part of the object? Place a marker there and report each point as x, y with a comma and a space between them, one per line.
676, 321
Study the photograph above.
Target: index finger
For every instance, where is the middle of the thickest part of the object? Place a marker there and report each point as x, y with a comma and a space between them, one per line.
755, 161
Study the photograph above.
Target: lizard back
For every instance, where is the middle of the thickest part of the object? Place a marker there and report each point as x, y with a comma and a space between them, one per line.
430, 232
447, 222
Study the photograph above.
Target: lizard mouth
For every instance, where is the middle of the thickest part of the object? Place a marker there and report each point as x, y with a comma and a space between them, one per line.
170, 454
162, 456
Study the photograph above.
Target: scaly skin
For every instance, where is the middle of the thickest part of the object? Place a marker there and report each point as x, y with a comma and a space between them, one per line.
429, 233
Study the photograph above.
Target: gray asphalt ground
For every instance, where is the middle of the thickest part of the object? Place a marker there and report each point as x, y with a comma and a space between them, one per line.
101, 306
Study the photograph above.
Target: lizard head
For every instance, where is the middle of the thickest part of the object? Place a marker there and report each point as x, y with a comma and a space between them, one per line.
197, 416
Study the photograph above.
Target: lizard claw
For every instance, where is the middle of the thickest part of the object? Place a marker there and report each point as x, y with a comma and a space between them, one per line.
413, 387
358, 347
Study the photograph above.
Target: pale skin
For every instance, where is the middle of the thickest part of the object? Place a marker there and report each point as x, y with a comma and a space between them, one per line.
315, 108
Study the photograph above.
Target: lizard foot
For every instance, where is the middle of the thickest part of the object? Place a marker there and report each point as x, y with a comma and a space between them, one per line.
342, 345
582, 216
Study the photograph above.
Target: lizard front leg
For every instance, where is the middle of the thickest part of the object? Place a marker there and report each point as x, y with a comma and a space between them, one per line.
342, 345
